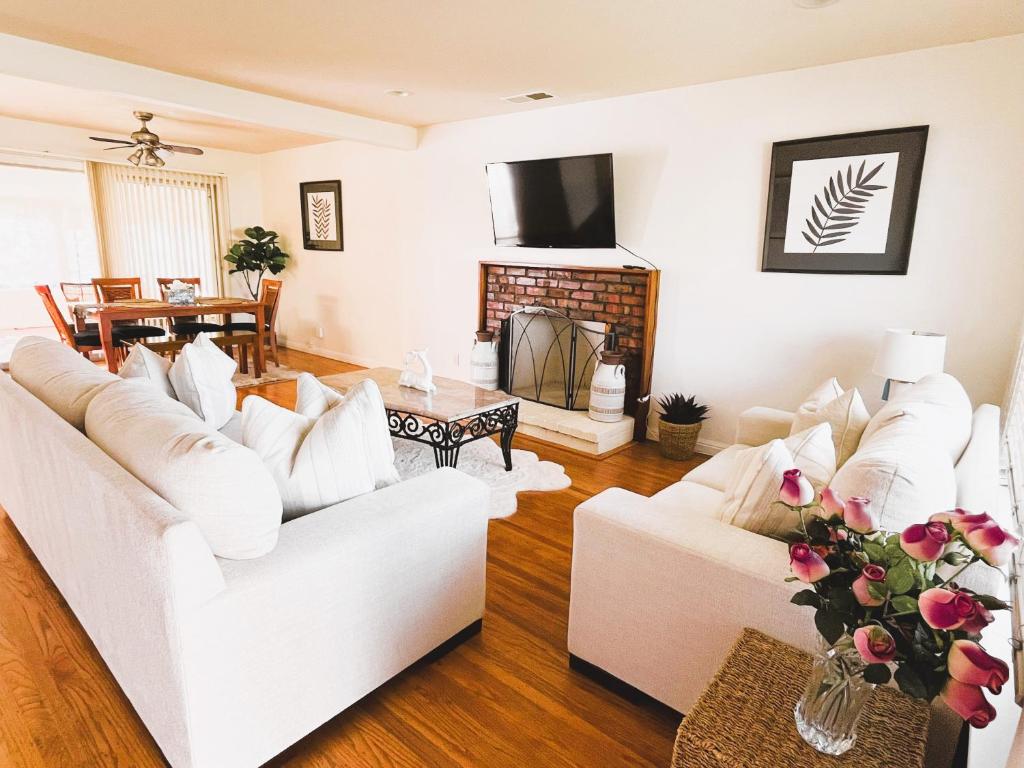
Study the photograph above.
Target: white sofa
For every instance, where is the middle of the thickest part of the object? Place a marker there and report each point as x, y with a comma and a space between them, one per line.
661, 588
228, 662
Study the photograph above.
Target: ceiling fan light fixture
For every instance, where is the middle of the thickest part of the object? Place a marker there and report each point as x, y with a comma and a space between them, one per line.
151, 159
135, 157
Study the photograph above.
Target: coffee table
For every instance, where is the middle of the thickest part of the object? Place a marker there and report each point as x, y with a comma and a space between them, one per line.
458, 413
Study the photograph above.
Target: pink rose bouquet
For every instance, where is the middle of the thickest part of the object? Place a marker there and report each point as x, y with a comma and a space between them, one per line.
880, 593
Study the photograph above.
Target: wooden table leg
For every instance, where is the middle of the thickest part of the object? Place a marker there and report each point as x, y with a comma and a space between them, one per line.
107, 342
258, 359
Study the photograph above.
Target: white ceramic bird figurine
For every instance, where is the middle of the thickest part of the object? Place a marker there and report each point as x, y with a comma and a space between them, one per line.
417, 373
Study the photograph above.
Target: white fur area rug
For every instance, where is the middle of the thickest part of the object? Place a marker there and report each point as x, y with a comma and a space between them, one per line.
482, 459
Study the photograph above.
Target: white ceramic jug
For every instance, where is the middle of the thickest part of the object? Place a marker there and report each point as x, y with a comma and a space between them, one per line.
608, 388
483, 361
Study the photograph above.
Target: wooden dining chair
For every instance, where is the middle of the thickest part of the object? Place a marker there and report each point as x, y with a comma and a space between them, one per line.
270, 297
80, 341
187, 326
111, 289
79, 293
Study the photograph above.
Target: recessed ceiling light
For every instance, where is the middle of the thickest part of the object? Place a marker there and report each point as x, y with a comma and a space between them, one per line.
813, 5
398, 93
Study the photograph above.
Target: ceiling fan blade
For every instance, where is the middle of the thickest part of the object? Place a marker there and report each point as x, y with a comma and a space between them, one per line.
114, 141
119, 146
182, 150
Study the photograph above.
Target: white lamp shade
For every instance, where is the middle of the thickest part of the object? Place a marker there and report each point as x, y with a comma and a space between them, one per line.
908, 355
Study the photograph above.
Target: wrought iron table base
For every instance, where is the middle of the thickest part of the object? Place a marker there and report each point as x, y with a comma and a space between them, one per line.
446, 438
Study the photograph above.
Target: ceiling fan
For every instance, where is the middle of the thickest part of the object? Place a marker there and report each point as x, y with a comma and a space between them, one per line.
147, 144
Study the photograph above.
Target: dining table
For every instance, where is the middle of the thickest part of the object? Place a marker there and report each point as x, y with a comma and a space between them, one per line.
107, 314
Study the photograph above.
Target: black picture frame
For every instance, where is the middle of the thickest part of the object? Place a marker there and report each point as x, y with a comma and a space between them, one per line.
909, 142
325, 232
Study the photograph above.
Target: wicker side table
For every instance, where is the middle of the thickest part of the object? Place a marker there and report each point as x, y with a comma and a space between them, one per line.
744, 718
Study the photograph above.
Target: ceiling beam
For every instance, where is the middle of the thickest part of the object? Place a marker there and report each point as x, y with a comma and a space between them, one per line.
34, 60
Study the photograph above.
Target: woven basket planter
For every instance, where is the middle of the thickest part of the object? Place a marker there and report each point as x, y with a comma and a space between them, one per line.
677, 441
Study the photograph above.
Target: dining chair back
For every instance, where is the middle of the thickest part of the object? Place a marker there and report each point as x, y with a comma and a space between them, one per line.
164, 283
190, 327
79, 293
56, 316
270, 297
118, 288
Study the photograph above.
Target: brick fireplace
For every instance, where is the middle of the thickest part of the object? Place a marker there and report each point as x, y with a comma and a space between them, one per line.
626, 300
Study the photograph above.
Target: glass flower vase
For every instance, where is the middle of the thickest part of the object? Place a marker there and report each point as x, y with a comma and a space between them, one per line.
827, 714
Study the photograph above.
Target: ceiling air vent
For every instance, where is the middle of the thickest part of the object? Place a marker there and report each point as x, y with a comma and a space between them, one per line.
527, 97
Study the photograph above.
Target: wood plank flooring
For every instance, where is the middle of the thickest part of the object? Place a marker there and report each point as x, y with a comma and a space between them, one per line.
506, 697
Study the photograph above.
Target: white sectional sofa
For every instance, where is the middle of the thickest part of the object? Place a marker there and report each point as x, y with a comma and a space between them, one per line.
228, 662
661, 588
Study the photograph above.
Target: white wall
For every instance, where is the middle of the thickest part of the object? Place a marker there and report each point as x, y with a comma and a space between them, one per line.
691, 168
241, 169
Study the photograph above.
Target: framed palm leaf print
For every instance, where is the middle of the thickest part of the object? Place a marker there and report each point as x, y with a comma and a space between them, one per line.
321, 216
844, 204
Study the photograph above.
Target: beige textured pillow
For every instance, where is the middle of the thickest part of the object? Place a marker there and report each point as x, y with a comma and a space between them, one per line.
823, 394
144, 363
814, 454
753, 489
848, 418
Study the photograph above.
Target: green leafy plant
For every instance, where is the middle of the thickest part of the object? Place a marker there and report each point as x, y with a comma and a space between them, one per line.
257, 255
678, 409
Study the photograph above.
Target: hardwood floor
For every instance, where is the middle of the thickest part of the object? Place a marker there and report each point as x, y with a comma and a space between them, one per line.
505, 697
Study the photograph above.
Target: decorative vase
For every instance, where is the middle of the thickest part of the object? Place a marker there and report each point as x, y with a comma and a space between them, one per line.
483, 361
608, 388
827, 714
677, 441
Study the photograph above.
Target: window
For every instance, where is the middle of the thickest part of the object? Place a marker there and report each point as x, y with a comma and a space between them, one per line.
159, 224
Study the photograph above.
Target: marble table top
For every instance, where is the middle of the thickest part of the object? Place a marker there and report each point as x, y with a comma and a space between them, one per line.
454, 400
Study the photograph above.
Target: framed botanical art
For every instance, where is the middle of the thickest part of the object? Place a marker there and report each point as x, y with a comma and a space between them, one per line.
844, 204
321, 216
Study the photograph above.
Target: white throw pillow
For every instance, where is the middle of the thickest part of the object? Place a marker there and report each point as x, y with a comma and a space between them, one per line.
937, 406
58, 376
848, 418
315, 462
814, 454
315, 399
823, 394
144, 363
201, 377
753, 489
221, 486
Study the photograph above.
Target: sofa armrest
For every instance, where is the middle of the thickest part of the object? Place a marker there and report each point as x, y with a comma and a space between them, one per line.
759, 425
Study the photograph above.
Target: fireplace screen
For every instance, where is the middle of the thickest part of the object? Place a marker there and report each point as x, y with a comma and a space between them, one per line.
550, 358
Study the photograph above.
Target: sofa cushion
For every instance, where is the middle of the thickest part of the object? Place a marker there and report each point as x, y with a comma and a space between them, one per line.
753, 489
314, 399
937, 407
60, 377
906, 475
315, 462
144, 363
691, 498
220, 485
848, 418
201, 377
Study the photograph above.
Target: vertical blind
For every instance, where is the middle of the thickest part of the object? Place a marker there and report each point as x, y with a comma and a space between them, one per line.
1014, 426
155, 223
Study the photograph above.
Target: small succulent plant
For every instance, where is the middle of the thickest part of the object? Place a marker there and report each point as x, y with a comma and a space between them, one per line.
678, 409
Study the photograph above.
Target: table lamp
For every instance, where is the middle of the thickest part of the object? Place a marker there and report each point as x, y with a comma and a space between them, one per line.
907, 356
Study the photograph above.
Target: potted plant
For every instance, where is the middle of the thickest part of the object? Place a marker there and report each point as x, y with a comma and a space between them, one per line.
681, 418
257, 255
888, 606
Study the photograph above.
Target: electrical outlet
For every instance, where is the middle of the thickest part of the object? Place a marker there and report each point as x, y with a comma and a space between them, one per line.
319, 332
458, 359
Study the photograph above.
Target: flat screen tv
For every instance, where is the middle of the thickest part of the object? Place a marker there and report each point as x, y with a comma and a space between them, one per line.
562, 202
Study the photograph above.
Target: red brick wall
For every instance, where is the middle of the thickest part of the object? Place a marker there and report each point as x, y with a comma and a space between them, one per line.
616, 297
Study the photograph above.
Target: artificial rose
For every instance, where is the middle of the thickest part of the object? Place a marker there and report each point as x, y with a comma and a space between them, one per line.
969, 702
943, 609
925, 542
875, 644
796, 490
983, 535
858, 516
807, 564
832, 503
981, 618
869, 573
969, 663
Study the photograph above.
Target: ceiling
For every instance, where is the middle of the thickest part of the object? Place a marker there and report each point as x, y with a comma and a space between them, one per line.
110, 115
458, 57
